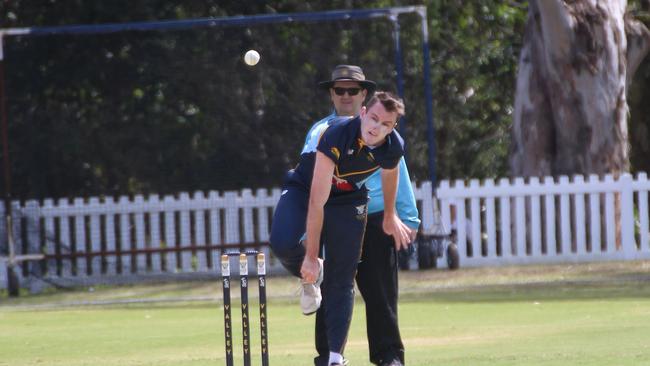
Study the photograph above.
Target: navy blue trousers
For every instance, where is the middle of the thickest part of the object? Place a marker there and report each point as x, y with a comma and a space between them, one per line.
377, 282
343, 229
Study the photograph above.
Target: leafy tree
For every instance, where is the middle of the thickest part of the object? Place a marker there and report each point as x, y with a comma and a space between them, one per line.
639, 94
171, 111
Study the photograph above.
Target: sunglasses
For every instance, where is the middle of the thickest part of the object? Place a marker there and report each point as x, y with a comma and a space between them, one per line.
350, 91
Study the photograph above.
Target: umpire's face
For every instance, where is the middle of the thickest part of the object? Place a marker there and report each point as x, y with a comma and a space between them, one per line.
347, 97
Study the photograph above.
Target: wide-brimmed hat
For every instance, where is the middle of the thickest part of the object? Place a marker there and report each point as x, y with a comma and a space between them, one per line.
349, 73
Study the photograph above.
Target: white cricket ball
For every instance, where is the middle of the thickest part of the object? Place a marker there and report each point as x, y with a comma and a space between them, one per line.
251, 58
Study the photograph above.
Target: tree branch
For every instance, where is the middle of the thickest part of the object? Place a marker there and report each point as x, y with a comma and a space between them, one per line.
638, 45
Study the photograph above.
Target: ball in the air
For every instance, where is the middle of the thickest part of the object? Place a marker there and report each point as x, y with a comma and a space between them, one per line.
251, 58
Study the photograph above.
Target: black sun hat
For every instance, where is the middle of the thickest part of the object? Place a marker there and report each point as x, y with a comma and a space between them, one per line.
349, 73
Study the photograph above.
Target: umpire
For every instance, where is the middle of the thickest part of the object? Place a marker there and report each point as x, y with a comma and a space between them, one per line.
377, 271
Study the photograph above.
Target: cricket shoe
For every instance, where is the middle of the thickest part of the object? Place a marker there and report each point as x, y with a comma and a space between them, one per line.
346, 362
322, 361
394, 362
311, 297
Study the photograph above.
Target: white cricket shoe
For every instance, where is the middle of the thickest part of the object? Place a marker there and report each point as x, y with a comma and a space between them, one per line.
311, 297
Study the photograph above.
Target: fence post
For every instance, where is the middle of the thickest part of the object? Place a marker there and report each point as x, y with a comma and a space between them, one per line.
443, 204
565, 216
184, 227
504, 214
49, 235
627, 216
171, 264
232, 217
262, 216
595, 217
140, 241
199, 233
32, 214
16, 229
8, 238
550, 217
156, 235
125, 235
428, 224
490, 221
520, 218
535, 219
610, 216
95, 232
579, 217
215, 227
461, 219
80, 260
248, 202
643, 212
475, 217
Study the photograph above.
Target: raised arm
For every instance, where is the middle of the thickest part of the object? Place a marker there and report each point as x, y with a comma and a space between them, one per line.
321, 185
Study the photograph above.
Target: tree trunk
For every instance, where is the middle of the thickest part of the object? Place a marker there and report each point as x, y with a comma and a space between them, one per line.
570, 108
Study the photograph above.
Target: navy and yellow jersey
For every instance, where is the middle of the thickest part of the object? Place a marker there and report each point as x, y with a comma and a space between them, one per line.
354, 162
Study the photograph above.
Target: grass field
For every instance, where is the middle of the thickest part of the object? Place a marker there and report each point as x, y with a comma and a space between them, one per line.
588, 314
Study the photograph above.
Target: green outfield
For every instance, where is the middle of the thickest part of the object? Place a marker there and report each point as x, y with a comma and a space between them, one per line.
589, 314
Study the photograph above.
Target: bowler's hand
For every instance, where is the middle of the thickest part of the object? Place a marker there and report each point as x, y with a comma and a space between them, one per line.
393, 226
309, 270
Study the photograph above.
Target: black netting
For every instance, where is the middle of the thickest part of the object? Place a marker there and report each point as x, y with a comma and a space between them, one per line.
178, 110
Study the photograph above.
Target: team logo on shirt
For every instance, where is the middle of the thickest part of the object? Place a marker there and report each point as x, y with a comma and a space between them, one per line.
335, 152
341, 184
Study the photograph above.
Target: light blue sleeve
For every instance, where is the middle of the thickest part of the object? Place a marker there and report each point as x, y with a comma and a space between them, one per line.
407, 209
314, 133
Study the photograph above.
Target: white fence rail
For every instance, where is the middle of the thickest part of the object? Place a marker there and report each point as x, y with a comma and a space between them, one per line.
94, 239
549, 221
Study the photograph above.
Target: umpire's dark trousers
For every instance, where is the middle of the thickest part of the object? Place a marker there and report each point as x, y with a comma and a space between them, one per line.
343, 228
377, 282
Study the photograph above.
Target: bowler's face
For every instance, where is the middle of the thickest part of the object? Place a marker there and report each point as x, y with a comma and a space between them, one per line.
376, 124
347, 104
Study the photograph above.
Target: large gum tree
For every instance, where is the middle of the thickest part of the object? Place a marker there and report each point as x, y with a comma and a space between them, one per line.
577, 61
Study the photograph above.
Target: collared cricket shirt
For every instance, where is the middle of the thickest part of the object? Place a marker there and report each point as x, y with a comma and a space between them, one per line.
340, 140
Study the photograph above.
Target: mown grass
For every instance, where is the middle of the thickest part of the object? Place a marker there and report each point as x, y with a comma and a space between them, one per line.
588, 314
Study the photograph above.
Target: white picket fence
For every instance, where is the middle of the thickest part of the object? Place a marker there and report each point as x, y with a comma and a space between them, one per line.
105, 239
100, 240
125, 239
548, 221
